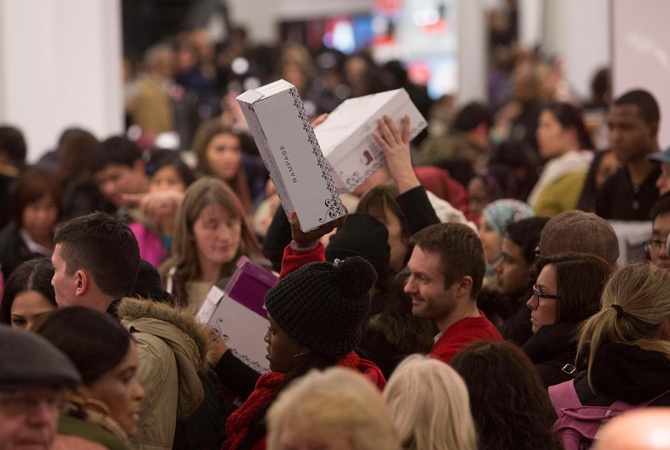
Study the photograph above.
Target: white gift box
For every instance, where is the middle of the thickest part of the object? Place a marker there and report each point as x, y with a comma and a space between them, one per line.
279, 124
346, 136
241, 328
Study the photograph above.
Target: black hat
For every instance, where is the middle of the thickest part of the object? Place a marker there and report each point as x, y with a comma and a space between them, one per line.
148, 284
361, 235
323, 305
28, 360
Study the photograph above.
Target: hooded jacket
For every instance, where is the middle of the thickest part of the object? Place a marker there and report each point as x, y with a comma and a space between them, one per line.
172, 350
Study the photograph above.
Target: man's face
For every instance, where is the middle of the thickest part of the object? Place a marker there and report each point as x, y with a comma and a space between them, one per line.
28, 418
115, 180
511, 269
658, 252
431, 299
64, 285
630, 136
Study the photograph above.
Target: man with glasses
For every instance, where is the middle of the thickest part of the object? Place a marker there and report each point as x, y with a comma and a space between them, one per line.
657, 246
33, 376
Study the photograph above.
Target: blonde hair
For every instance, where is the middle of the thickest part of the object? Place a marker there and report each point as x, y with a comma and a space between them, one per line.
635, 303
202, 193
430, 406
339, 400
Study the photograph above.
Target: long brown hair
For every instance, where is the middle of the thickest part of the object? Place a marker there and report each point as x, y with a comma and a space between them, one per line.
204, 192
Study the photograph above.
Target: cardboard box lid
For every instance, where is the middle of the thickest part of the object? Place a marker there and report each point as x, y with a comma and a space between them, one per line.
354, 120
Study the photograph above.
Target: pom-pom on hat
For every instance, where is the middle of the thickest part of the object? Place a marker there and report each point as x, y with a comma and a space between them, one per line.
322, 305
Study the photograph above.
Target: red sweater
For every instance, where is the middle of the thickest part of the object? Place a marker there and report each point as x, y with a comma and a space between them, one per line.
462, 333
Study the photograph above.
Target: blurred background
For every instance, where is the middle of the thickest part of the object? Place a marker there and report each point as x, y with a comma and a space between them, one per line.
91, 63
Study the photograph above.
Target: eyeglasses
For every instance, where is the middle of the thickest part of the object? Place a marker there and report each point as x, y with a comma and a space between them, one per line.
655, 245
22, 402
537, 295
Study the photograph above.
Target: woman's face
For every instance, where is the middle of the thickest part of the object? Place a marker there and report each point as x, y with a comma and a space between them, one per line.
39, 218
546, 312
224, 156
491, 241
281, 348
552, 138
27, 307
478, 196
121, 392
166, 179
217, 235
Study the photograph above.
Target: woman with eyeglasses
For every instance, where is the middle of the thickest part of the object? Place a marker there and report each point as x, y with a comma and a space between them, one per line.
567, 292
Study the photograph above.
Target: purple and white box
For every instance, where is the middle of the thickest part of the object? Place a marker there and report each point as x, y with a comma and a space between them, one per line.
346, 135
238, 315
284, 136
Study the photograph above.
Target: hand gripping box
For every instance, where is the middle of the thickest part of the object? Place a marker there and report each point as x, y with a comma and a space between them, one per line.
237, 313
291, 153
346, 136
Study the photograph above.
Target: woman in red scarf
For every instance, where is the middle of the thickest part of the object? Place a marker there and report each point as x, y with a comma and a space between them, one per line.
315, 316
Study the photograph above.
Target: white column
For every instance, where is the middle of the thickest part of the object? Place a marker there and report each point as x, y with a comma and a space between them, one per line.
472, 48
578, 31
530, 22
60, 66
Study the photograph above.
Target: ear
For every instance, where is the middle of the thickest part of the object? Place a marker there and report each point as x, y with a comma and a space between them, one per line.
653, 128
140, 166
82, 282
464, 286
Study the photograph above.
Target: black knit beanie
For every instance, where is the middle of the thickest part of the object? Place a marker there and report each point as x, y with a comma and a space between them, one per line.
361, 235
323, 305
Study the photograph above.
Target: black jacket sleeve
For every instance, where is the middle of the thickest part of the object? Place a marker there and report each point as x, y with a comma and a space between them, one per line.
277, 238
235, 375
418, 211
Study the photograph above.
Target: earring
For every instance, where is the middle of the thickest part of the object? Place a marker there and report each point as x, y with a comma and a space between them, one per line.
299, 354
98, 404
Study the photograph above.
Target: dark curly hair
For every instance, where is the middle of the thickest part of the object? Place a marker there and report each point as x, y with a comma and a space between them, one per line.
510, 405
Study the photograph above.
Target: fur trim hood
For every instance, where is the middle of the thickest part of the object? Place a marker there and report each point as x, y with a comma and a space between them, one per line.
146, 315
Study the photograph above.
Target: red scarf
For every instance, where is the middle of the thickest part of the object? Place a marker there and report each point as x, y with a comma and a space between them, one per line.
265, 390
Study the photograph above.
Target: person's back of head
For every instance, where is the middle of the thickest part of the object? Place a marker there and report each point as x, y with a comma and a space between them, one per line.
429, 406
460, 250
13, 145
643, 429
509, 403
94, 341
362, 235
635, 310
471, 116
105, 247
644, 101
324, 408
579, 232
117, 150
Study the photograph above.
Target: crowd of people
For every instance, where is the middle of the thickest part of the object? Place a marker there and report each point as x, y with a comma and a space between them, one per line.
474, 297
